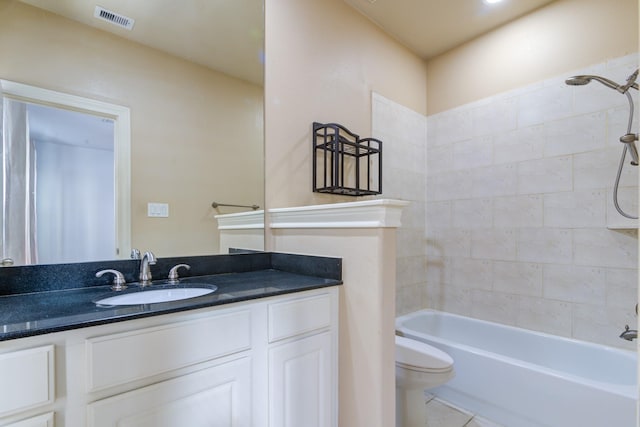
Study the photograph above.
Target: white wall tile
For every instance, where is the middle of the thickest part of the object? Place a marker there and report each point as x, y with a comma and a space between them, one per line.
630, 60
596, 97
550, 175
472, 213
449, 242
449, 298
494, 244
544, 104
439, 270
618, 123
472, 273
494, 306
500, 115
627, 202
451, 126
575, 134
411, 270
518, 211
602, 325
410, 241
577, 209
439, 159
574, 284
606, 248
452, 185
439, 214
597, 169
621, 287
520, 278
414, 214
410, 298
473, 153
518, 145
545, 245
403, 184
493, 181
553, 317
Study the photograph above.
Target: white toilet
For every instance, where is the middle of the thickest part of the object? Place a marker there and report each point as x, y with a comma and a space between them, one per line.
419, 366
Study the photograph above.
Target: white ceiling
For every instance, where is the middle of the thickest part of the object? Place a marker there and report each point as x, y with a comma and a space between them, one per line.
431, 27
225, 35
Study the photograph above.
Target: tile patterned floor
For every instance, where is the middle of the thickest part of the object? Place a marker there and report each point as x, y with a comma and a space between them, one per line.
443, 414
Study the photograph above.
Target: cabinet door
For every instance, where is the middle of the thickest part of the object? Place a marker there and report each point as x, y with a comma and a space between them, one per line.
215, 396
31, 376
301, 383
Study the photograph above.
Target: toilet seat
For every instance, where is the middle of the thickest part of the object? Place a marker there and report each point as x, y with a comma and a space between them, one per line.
417, 356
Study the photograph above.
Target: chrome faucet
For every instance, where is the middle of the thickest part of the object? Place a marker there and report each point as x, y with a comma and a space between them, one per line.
629, 334
145, 271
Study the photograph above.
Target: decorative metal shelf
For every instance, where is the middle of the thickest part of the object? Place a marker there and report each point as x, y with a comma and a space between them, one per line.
344, 163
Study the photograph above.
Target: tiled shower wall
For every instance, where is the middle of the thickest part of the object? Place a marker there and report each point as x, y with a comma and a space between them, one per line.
404, 134
518, 204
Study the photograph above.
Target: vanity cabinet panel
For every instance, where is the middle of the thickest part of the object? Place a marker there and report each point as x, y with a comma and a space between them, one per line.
298, 316
28, 379
301, 386
215, 396
45, 420
135, 355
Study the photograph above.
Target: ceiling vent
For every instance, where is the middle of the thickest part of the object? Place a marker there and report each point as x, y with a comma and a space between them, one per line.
114, 18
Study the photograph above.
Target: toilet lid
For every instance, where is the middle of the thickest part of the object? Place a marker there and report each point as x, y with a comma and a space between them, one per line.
419, 356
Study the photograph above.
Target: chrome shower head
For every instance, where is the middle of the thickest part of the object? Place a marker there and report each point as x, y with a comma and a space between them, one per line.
583, 80
578, 80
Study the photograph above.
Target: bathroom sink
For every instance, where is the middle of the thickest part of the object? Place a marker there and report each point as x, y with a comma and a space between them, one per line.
156, 296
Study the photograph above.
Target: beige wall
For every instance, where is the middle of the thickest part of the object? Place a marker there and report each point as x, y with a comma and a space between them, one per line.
563, 36
183, 116
323, 60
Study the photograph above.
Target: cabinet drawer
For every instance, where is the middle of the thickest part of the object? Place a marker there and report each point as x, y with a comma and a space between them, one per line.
295, 317
31, 374
131, 356
45, 420
216, 396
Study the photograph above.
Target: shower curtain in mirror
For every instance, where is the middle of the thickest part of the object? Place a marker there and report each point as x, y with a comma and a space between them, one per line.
18, 183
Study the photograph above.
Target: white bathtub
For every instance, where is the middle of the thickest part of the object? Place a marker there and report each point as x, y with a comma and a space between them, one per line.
522, 378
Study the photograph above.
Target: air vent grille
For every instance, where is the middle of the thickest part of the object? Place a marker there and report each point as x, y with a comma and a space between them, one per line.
114, 18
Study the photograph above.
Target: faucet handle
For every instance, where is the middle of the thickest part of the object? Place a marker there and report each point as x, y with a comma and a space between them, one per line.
135, 253
118, 279
173, 273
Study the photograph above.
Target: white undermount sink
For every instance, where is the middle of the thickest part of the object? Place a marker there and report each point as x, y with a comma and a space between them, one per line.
155, 296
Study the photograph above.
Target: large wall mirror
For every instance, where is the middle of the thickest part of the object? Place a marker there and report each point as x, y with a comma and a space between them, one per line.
189, 73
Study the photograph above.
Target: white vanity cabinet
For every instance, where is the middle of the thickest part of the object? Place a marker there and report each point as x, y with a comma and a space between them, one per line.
264, 362
303, 362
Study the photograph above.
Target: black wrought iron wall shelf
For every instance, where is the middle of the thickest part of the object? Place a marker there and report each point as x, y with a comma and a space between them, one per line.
344, 163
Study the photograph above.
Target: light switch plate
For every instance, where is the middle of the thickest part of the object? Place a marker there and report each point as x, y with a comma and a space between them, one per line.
158, 210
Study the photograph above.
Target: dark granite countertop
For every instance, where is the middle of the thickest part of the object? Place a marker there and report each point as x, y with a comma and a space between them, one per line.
24, 314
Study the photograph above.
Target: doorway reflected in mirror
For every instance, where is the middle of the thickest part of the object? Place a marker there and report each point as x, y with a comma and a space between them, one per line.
59, 196
65, 178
